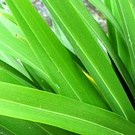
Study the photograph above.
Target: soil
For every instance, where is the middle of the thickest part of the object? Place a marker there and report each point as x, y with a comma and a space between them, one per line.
96, 14
45, 14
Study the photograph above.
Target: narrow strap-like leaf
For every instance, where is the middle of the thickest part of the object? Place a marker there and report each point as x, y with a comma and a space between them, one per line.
57, 62
92, 56
34, 105
120, 47
21, 127
10, 75
106, 12
128, 23
19, 48
118, 55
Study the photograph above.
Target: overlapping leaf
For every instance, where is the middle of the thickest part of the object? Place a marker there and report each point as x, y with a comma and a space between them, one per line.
92, 56
31, 104
128, 23
110, 44
46, 64
52, 56
21, 127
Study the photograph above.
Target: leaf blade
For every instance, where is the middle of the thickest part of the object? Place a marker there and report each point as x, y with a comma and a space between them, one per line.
18, 126
45, 108
49, 47
92, 56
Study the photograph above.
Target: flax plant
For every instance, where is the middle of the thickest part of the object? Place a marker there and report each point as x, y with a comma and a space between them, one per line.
73, 78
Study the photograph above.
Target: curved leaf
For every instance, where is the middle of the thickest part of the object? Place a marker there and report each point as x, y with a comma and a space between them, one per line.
128, 23
31, 104
111, 47
44, 44
21, 127
92, 56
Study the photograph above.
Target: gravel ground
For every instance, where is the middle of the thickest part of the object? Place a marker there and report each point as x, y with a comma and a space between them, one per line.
42, 10
96, 14
45, 14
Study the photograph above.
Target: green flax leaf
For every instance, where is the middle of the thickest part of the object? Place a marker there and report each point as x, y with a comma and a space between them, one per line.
92, 56
43, 107
21, 127
53, 58
108, 43
128, 23
18, 47
106, 12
